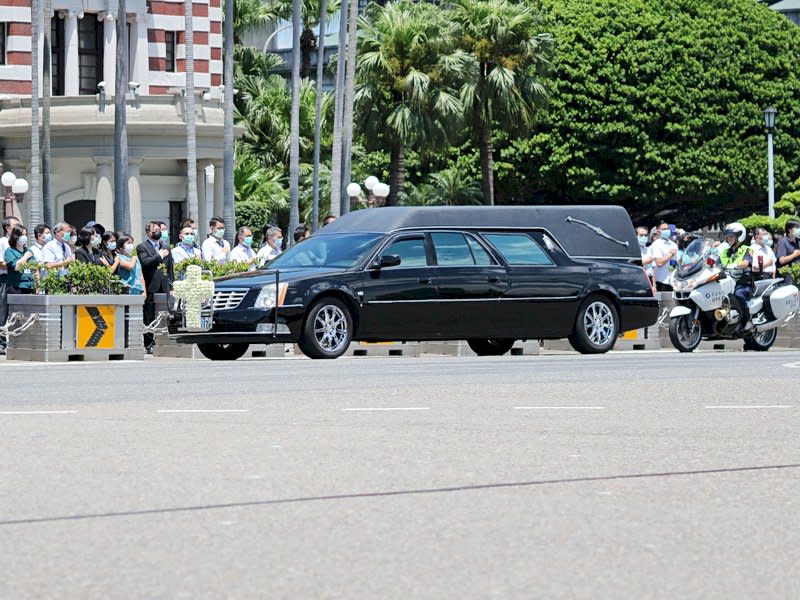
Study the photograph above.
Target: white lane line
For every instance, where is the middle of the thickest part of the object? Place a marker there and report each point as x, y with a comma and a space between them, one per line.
794, 365
746, 406
205, 410
559, 408
38, 412
385, 409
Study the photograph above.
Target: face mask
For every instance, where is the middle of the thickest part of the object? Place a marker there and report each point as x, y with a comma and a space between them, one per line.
96, 242
767, 241
128, 249
248, 241
642, 240
23, 240
188, 239
665, 234
165, 236
155, 235
112, 245
796, 231
219, 233
67, 235
48, 237
278, 242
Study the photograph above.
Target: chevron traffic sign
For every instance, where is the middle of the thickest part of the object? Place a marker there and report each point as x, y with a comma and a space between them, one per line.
95, 327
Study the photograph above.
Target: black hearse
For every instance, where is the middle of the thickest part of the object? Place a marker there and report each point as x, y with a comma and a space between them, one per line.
488, 275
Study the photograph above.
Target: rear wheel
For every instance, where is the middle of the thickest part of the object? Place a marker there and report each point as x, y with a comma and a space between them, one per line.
223, 351
491, 346
596, 327
761, 342
685, 332
328, 330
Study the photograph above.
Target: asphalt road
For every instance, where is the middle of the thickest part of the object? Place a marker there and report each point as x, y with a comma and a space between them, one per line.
629, 475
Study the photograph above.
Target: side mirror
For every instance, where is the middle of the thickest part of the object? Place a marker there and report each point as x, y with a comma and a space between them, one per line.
387, 260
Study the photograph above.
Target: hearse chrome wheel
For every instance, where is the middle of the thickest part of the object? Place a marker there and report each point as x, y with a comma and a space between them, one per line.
328, 330
596, 326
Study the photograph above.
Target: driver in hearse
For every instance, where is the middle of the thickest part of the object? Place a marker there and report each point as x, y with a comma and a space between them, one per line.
737, 255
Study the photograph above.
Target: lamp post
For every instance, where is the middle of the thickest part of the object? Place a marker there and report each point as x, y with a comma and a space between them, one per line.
769, 121
381, 191
354, 193
14, 187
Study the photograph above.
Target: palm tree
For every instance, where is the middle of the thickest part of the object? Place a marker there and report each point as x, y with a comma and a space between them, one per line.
407, 74
508, 55
35, 198
47, 82
294, 142
318, 113
349, 96
191, 130
122, 211
336, 150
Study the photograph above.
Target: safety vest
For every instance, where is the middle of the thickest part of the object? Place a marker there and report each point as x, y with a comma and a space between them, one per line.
740, 254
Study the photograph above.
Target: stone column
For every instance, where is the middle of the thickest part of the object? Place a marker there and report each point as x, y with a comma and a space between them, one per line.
135, 197
71, 69
219, 196
109, 53
140, 68
202, 195
104, 195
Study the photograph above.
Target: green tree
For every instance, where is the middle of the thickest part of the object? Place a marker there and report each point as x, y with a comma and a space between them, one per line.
505, 87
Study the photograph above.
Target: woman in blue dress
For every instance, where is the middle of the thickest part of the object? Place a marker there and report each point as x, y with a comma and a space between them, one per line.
130, 269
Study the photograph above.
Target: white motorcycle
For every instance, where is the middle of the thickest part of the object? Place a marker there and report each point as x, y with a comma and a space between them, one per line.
707, 309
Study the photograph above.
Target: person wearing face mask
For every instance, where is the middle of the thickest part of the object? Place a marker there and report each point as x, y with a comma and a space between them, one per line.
647, 259
89, 242
761, 250
130, 269
216, 247
272, 247
788, 250
152, 254
186, 249
108, 251
57, 253
41, 235
243, 252
662, 251
16, 257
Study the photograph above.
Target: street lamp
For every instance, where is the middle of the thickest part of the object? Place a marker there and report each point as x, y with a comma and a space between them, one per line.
381, 191
769, 121
14, 187
354, 192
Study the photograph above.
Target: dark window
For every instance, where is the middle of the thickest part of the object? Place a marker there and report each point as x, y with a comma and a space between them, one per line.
3, 33
57, 54
458, 250
518, 249
410, 250
170, 40
90, 55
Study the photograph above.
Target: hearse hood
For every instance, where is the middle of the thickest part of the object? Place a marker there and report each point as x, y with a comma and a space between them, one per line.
258, 279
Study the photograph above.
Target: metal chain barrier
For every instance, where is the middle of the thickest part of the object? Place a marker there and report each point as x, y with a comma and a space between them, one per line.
12, 329
159, 324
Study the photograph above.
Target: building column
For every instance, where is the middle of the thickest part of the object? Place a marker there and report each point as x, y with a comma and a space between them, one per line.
104, 195
202, 194
71, 62
219, 196
135, 197
140, 67
109, 52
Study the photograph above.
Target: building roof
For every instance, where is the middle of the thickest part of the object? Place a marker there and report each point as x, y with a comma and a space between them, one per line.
786, 5
576, 238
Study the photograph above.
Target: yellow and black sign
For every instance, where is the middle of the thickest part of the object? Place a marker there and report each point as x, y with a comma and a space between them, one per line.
95, 327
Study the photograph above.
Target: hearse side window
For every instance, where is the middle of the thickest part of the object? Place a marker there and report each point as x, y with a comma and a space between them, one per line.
518, 249
458, 250
410, 250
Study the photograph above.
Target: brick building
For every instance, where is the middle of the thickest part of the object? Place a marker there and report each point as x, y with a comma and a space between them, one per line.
83, 50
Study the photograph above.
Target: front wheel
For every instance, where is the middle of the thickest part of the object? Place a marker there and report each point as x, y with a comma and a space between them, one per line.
761, 342
328, 330
596, 327
685, 332
223, 351
490, 347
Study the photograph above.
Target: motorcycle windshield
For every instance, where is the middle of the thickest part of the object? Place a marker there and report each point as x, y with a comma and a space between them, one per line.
693, 258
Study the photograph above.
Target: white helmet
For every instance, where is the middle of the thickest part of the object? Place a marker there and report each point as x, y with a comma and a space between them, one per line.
736, 229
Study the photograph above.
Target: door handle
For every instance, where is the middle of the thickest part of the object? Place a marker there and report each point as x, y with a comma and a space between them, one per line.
425, 280
493, 279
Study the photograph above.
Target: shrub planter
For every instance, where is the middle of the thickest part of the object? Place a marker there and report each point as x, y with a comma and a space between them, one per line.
77, 328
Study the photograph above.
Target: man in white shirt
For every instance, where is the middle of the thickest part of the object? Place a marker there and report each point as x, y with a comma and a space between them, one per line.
272, 247
8, 225
761, 250
216, 248
57, 253
41, 235
186, 248
647, 260
243, 252
662, 251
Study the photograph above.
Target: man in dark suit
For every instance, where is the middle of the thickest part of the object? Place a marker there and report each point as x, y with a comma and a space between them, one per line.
152, 253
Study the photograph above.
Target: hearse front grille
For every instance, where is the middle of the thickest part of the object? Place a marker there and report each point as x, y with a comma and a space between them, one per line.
228, 299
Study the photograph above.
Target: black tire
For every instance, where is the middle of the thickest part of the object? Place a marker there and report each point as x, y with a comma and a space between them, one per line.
328, 329
223, 351
684, 333
761, 342
491, 346
596, 326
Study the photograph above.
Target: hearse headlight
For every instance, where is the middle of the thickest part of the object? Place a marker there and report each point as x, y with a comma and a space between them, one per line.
267, 297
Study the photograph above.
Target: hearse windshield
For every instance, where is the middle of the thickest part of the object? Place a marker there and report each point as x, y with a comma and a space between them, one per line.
336, 250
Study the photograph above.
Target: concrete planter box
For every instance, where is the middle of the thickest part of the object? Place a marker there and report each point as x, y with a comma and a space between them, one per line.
77, 328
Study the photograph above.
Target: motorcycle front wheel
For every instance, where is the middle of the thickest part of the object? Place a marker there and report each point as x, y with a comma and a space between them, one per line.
685, 332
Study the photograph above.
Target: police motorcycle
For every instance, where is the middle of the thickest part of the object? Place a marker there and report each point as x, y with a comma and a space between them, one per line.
706, 307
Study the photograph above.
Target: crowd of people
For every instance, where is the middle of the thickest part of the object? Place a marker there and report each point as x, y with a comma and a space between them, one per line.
146, 268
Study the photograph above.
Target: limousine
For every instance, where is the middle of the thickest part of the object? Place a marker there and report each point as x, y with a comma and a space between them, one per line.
487, 275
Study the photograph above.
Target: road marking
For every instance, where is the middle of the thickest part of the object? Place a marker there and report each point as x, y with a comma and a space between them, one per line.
205, 410
385, 409
38, 412
559, 408
794, 365
732, 406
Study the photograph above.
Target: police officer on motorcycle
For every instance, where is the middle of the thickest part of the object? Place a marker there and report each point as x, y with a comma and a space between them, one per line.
737, 255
